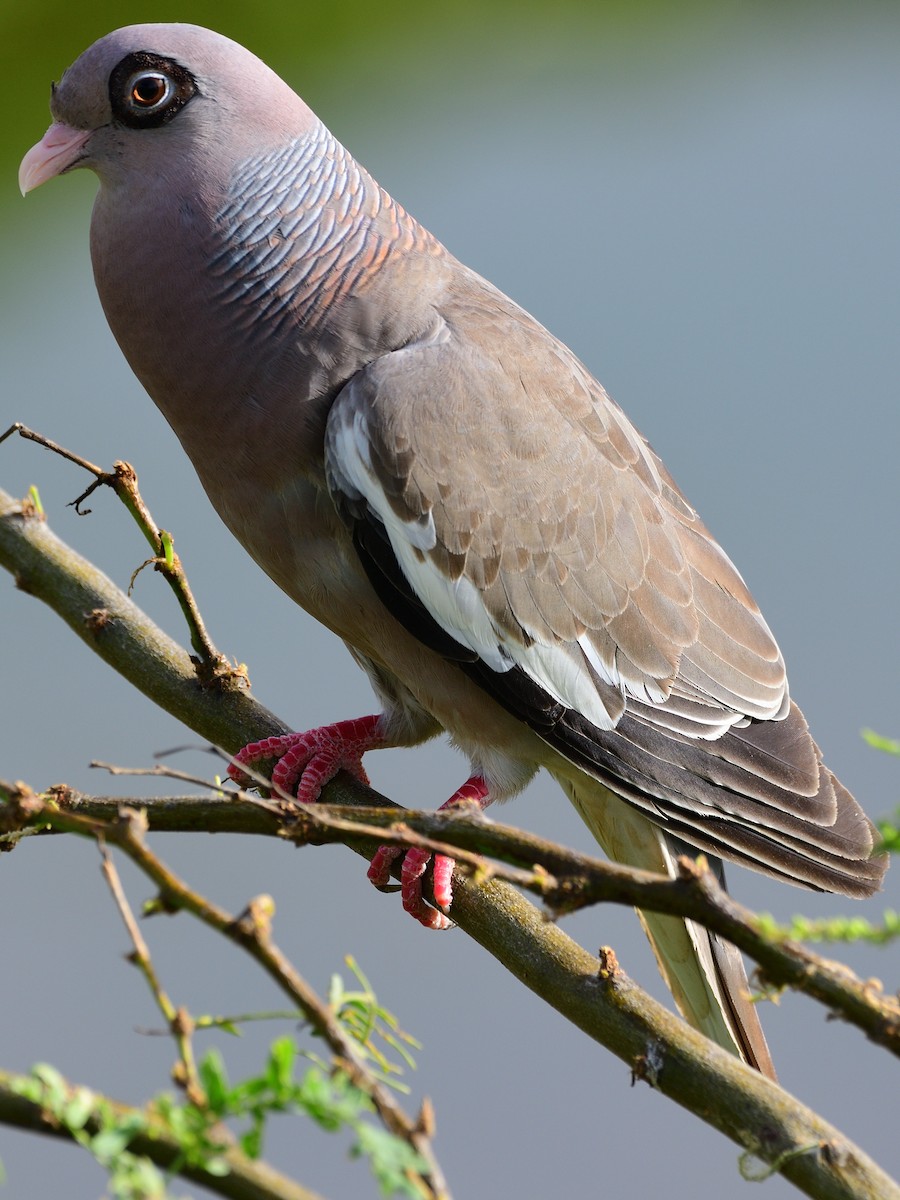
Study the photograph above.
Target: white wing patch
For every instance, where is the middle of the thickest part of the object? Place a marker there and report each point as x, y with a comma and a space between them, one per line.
456, 605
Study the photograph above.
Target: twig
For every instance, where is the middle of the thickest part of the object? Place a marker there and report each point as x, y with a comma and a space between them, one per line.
212, 667
180, 1024
162, 771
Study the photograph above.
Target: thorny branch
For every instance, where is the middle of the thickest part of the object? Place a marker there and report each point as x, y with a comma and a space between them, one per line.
595, 995
181, 1027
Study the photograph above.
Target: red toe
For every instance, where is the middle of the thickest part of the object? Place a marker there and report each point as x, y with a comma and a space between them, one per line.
416, 861
307, 761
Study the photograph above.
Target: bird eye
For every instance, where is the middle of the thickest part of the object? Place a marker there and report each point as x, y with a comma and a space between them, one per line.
149, 90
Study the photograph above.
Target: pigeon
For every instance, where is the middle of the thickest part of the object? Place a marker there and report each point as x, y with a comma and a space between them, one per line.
436, 478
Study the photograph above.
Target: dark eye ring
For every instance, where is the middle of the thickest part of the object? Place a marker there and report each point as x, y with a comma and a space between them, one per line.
148, 91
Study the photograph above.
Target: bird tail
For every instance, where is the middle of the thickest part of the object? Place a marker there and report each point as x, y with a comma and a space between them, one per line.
705, 974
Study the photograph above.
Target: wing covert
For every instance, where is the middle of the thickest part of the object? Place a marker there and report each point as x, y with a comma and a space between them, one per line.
541, 531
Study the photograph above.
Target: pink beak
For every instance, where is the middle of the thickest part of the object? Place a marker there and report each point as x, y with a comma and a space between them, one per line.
56, 152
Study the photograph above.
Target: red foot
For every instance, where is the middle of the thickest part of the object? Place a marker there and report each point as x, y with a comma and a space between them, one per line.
307, 761
416, 861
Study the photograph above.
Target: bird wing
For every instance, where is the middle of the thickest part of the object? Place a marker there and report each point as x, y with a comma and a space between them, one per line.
511, 516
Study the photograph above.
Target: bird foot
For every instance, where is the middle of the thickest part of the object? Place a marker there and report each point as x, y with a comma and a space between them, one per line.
415, 862
307, 761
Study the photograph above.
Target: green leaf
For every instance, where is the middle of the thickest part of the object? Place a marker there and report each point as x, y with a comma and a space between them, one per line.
214, 1078
890, 834
131, 1124
36, 500
133, 1178
218, 1166
370, 1023
280, 1067
78, 1108
108, 1144
888, 745
54, 1090
393, 1161
251, 1142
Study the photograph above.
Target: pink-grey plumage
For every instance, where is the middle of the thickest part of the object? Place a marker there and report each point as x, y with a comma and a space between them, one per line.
429, 472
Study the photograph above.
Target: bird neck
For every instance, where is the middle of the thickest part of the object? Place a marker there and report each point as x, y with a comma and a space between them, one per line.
303, 271
302, 227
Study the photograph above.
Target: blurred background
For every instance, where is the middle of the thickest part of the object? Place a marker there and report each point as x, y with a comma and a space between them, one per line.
701, 199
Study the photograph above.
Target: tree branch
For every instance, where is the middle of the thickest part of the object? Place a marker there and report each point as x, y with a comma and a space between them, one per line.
124, 637
564, 879
248, 1179
593, 993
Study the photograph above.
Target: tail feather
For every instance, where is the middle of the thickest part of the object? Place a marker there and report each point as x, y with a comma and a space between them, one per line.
743, 1017
705, 974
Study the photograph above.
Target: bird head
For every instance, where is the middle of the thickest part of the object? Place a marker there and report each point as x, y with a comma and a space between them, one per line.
158, 101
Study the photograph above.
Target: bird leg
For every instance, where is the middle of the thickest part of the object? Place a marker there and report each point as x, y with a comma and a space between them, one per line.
416, 860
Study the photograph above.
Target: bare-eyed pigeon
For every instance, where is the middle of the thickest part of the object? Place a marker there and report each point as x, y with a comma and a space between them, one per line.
431, 474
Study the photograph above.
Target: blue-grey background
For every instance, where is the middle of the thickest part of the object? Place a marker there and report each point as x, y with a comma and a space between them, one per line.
702, 200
